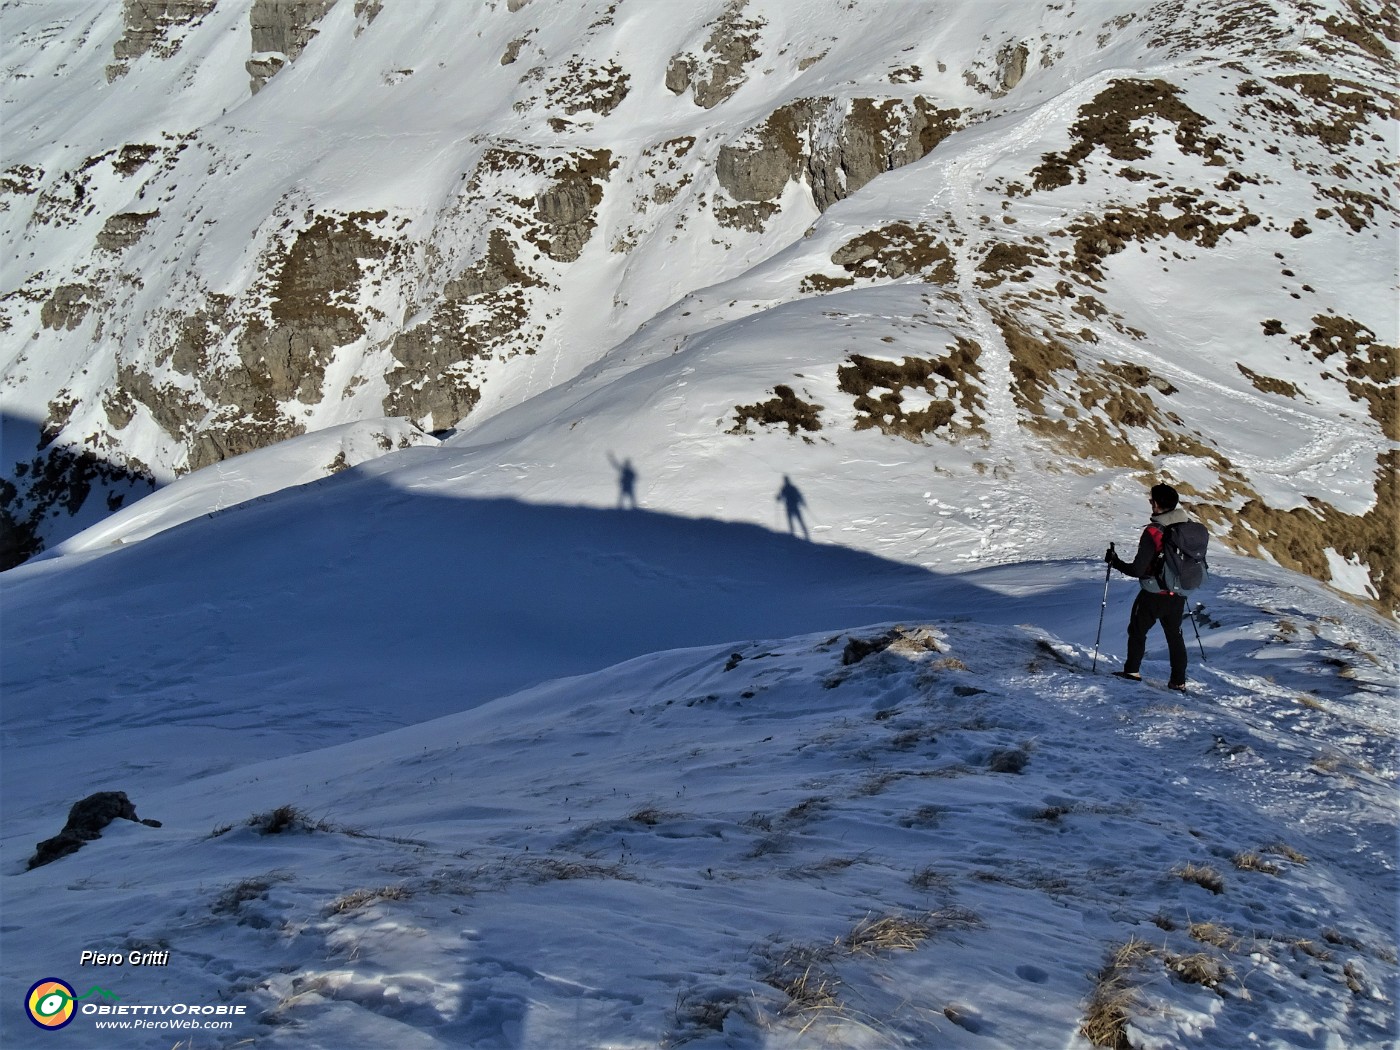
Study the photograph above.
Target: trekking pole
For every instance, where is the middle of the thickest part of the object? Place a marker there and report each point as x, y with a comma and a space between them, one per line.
1199, 607
1102, 607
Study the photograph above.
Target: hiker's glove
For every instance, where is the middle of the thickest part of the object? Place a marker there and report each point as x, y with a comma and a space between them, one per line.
1110, 556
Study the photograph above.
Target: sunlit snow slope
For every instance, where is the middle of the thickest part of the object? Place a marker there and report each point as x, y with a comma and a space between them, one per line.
624, 494
1024, 240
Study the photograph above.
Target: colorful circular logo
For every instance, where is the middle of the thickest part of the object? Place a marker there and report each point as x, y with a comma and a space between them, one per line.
50, 1003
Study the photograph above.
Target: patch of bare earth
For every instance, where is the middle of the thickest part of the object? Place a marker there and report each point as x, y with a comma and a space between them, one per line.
1121, 120
1110, 414
916, 397
1368, 365
894, 251
1089, 412
784, 409
1299, 538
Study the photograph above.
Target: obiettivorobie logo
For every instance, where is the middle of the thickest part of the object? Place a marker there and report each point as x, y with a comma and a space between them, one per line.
51, 1003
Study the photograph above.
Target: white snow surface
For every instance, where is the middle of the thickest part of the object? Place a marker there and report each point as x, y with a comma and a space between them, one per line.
582, 740
391, 107
593, 776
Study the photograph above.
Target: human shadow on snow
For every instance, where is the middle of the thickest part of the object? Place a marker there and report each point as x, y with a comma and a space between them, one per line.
349, 607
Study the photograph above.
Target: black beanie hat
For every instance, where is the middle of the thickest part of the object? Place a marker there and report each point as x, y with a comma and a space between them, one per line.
1164, 496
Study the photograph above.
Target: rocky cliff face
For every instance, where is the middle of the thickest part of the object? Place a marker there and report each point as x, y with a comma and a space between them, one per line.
228, 223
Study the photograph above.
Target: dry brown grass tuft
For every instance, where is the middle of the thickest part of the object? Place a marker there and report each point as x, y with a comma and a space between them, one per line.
1199, 968
1114, 998
1329, 762
877, 783
1355, 647
357, 899
1202, 875
889, 933
700, 1013
1355, 977
808, 809
1311, 948
548, 869
1334, 936
802, 975
292, 818
1253, 862
805, 973
283, 819
1286, 851
250, 889
821, 868
953, 919
1107, 1013
1008, 760
907, 739
650, 816
1210, 933
930, 879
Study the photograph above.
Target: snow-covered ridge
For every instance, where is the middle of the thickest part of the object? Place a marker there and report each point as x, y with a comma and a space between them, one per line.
440, 211
942, 832
634, 476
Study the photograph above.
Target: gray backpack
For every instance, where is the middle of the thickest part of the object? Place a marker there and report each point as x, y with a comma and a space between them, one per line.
1182, 566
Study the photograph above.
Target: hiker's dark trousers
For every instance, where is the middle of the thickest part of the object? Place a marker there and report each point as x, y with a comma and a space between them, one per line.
1166, 609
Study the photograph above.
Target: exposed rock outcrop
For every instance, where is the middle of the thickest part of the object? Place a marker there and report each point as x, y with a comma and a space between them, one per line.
281, 31
838, 146
1011, 65
483, 312
69, 306
285, 355
86, 820
154, 26
122, 231
282, 353
478, 312
722, 66
58, 480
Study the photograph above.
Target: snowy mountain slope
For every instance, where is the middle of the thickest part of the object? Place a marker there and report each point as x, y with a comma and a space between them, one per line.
394, 607
714, 341
937, 835
424, 217
933, 837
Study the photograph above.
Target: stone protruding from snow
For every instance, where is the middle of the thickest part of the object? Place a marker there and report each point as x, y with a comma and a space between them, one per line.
86, 820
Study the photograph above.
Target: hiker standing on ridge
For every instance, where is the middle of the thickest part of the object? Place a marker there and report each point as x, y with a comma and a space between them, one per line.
1156, 602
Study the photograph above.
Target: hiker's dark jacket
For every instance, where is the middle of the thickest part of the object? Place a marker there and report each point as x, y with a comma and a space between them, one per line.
1147, 562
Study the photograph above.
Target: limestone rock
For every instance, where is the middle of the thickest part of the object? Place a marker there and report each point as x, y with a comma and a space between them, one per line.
281, 29
722, 67
151, 26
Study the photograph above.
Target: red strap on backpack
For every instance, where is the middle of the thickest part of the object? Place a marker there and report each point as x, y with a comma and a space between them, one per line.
1159, 538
